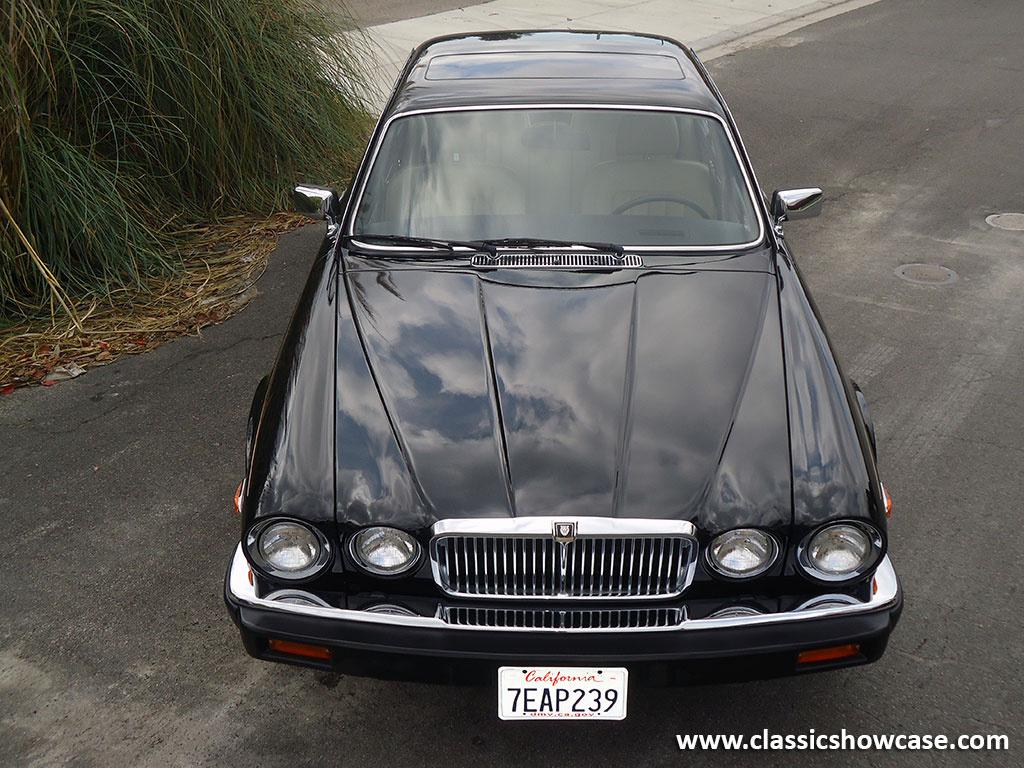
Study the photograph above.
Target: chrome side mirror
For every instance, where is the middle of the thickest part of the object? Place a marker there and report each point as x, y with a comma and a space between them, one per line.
317, 202
790, 204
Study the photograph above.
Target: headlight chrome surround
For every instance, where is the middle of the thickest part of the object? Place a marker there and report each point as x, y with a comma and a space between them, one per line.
873, 550
255, 541
766, 540
403, 538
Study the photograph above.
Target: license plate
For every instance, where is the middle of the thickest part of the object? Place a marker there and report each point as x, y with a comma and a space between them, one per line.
584, 693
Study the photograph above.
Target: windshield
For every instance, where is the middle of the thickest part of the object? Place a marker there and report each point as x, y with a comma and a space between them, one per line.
655, 178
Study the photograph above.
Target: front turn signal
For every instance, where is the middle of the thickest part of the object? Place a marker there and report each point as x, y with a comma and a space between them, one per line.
888, 501
299, 649
828, 654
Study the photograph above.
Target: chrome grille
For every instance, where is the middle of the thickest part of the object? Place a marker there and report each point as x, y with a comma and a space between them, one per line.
552, 260
635, 564
590, 620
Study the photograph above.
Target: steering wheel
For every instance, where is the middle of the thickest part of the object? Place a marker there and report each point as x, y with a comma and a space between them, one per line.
660, 198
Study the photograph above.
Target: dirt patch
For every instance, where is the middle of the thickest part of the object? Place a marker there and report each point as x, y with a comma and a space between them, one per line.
220, 271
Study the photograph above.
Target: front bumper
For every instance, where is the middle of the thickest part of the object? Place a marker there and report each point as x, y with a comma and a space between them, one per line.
429, 648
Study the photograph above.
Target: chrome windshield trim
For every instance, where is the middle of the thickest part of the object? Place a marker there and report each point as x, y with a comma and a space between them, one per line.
371, 160
885, 594
365, 246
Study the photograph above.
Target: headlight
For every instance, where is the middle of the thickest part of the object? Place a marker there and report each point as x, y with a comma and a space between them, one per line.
384, 551
287, 549
742, 553
840, 551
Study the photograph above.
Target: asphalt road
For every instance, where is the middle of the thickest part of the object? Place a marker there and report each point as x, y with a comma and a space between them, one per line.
115, 493
370, 12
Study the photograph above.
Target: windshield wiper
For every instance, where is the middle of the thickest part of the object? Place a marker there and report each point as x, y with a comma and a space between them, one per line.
426, 242
541, 242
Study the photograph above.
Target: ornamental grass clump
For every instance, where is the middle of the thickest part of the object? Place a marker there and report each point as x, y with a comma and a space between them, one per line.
128, 123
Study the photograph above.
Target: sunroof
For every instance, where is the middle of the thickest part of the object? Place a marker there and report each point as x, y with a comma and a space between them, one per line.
537, 65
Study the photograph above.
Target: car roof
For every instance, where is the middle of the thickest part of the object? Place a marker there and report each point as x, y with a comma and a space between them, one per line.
552, 67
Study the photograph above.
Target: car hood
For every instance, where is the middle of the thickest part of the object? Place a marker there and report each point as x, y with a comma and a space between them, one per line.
657, 394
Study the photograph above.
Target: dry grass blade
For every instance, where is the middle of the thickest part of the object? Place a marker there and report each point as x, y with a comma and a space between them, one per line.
222, 263
47, 275
126, 120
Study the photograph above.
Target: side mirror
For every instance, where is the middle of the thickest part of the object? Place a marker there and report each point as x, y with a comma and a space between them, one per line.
790, 204
317, 202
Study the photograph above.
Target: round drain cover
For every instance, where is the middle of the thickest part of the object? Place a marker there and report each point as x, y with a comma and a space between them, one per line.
1014, 221
926, 274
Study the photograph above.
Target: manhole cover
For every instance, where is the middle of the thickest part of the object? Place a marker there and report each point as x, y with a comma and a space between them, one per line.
926, 274
1014, 221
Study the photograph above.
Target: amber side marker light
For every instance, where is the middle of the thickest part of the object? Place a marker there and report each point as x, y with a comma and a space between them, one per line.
889, 501
238, 499
298, 649
828, 654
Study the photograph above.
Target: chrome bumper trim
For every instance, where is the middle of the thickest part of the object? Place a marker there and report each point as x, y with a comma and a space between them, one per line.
885, 595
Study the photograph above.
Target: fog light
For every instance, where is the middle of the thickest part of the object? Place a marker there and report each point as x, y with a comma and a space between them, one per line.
824, 602
735, 612
297, 597
384, 551
390, 610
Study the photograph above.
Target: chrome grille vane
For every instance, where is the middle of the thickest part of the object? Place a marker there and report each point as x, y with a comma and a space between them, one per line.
591, 620
571, 559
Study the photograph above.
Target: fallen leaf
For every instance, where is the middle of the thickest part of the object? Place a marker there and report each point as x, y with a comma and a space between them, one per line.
7, 390
63, 372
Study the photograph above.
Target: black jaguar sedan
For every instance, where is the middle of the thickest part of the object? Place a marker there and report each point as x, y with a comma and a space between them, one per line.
555, 410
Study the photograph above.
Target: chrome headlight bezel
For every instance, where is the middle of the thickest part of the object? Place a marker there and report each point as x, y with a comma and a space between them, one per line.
322, 559
717, 568
374, 570
875, 550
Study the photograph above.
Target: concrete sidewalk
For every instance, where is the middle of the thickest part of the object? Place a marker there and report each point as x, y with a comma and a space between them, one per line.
711, 27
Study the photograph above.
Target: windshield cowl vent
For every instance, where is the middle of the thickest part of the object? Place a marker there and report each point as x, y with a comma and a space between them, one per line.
557, 261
